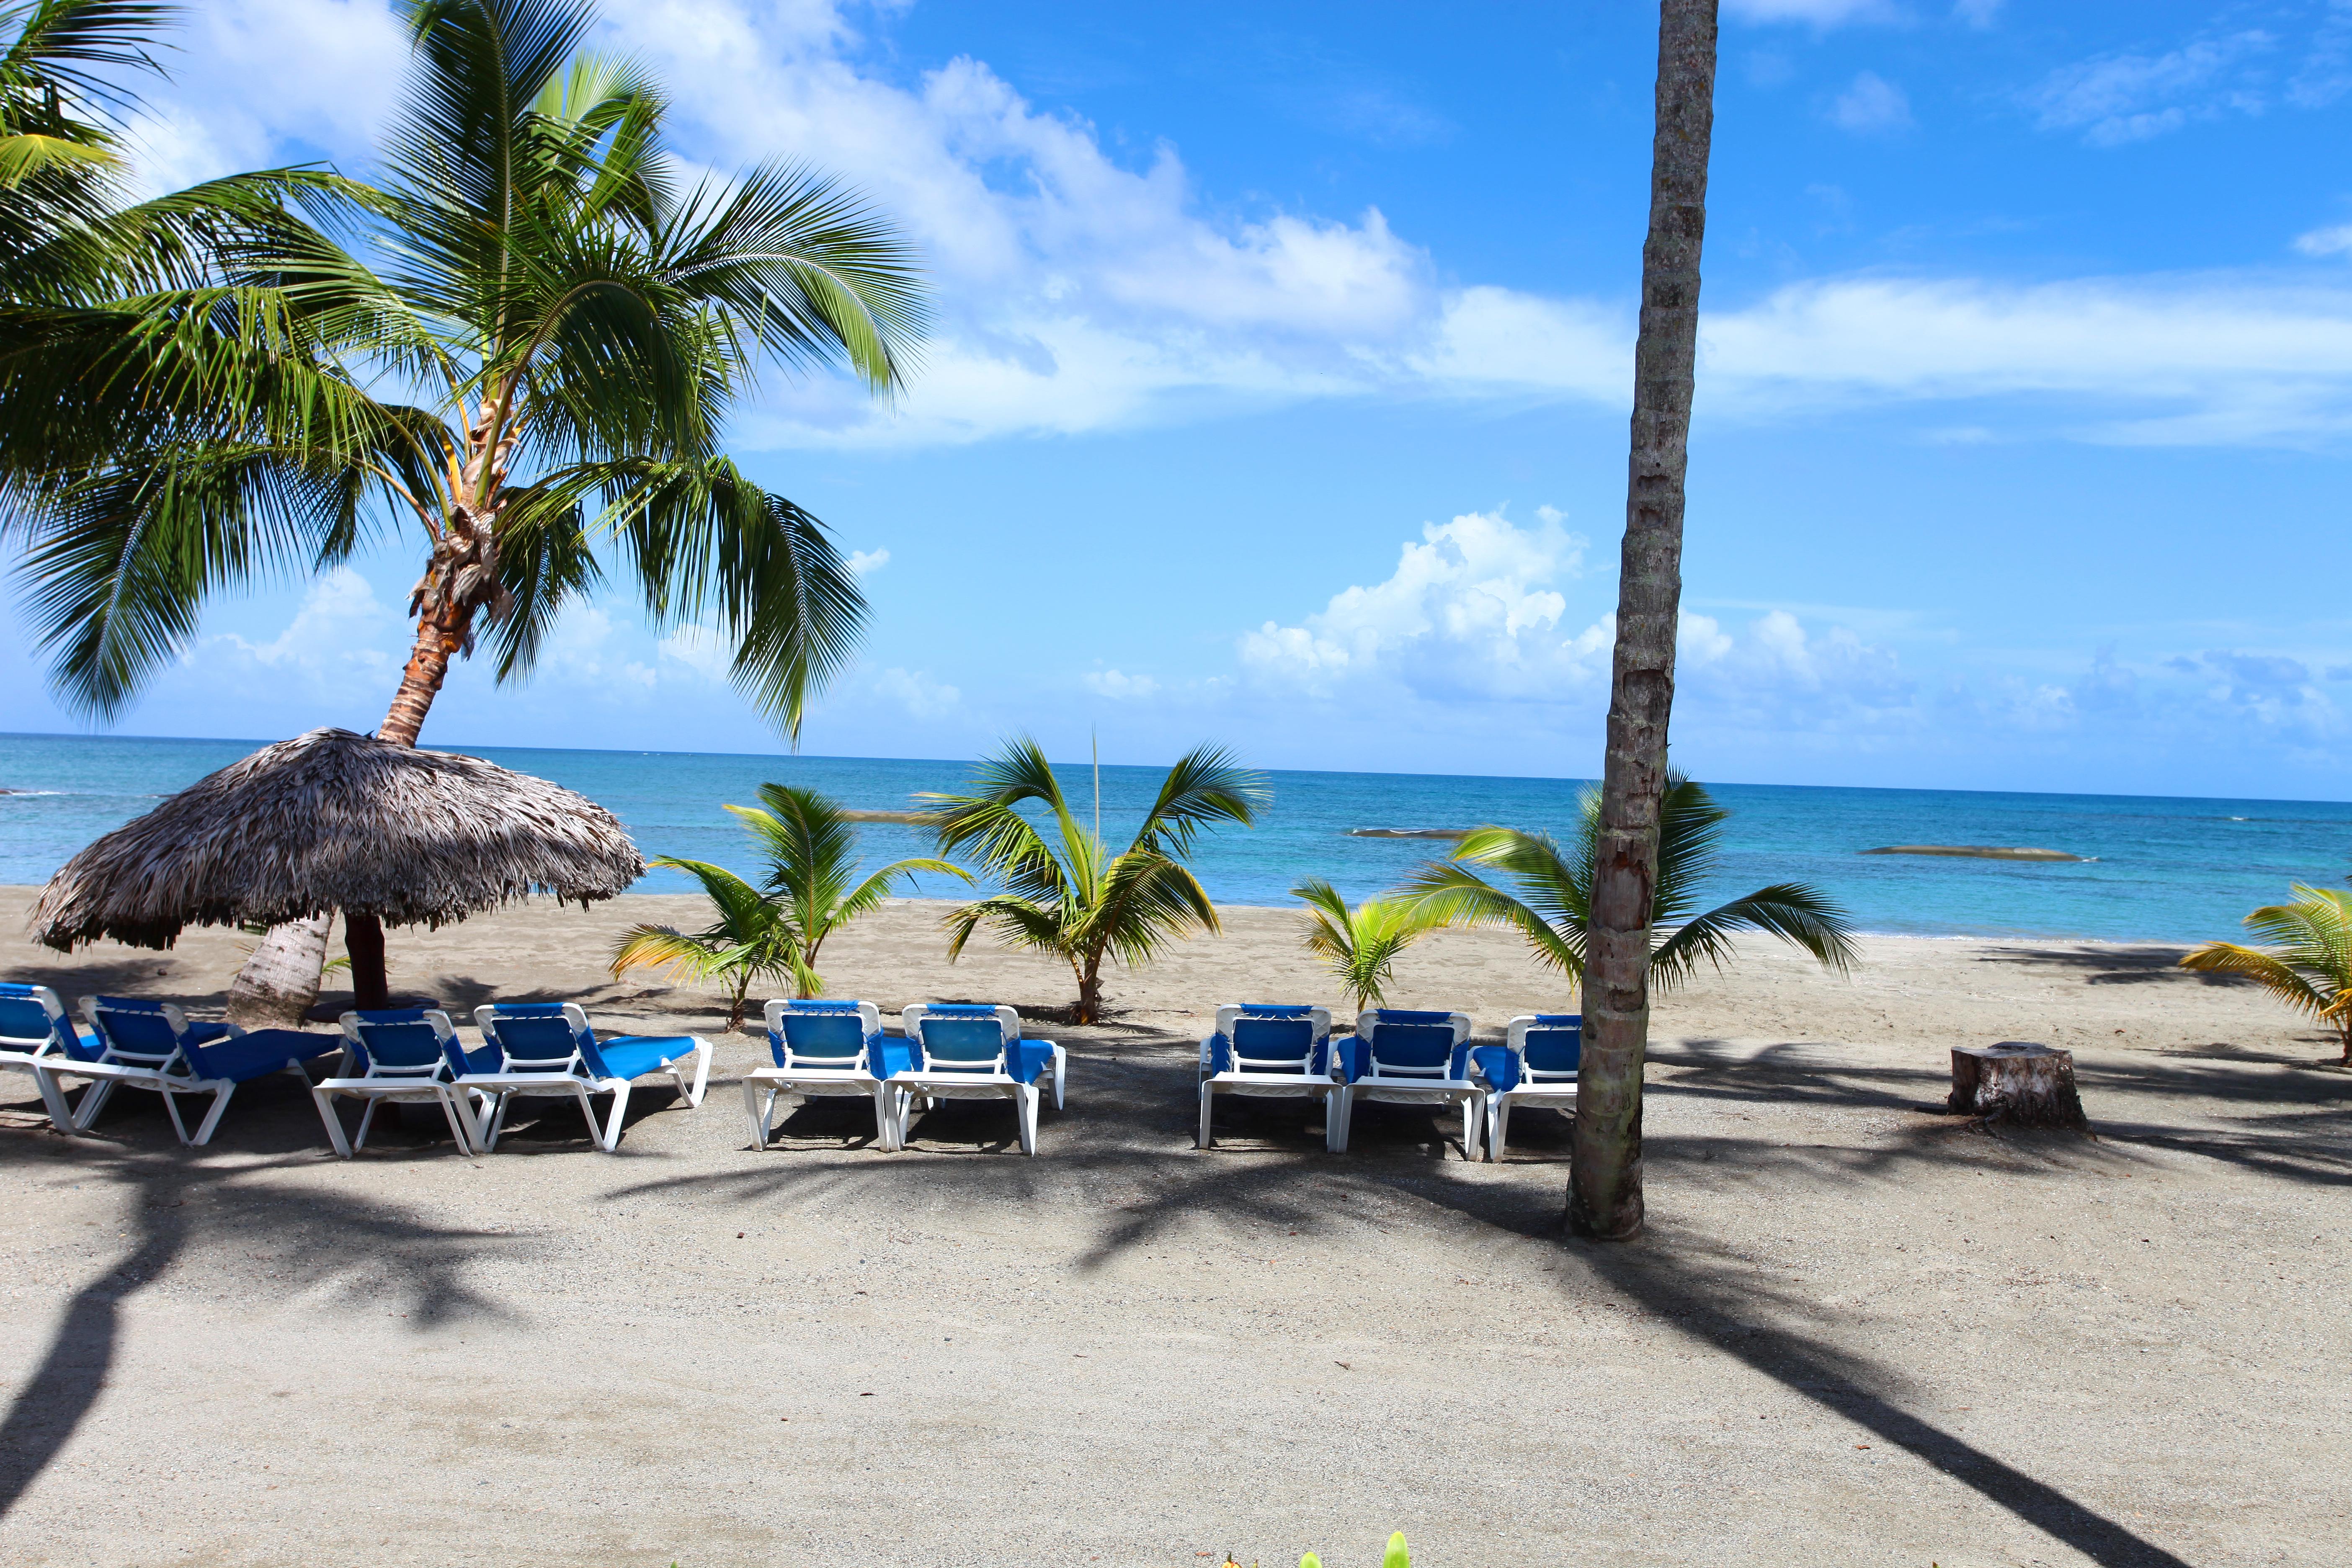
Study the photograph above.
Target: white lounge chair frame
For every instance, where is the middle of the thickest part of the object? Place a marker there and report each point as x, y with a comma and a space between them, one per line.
408, 1084
38, 1058
1544, 1090
918, 1088
1390, 1083
169, 1074
812, 1077
1272, 1076
567, 1076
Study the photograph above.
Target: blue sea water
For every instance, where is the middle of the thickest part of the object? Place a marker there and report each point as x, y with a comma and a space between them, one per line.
2158, 868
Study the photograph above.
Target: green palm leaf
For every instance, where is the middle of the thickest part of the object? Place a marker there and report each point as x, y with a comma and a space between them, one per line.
2308, 963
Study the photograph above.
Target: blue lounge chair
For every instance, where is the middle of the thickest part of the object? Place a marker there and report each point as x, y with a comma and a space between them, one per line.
1536, 1068
1262, 1048
38, 1040
408, 1055
970, 1052
823, 1049
547, 1048
151, 1045
1407, 1057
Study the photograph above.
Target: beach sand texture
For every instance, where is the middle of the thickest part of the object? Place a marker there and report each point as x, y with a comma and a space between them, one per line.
1856, 1332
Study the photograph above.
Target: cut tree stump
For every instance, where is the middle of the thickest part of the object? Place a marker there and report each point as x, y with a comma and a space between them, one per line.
2024, 1084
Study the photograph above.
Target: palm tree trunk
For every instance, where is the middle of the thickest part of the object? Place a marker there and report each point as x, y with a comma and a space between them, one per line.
1605, 1170
1089, 992
279, 983
268, 985
363, 940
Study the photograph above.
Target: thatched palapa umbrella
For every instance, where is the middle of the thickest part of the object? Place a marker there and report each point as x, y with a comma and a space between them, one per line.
330, 820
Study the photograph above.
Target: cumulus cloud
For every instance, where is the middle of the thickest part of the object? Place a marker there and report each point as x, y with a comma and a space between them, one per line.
1470, 607
342, 642
700, 649
1819, 13
866, 563
1870, 104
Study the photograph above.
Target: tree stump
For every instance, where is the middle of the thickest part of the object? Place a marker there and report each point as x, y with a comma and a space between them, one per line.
2024, 1084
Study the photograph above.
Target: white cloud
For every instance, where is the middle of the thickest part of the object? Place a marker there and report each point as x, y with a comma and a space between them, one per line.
2332, 241
1870, 104
2213, 360
1470, 607
342, 640
1119, 686
1085, 286
2119, 98
699, 648
1976, 12
866, 563
916, 691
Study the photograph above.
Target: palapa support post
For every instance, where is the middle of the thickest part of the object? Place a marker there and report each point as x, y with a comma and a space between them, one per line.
363, 940
2024, 1084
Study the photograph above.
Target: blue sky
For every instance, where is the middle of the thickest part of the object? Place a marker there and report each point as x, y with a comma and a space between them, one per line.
1280, 387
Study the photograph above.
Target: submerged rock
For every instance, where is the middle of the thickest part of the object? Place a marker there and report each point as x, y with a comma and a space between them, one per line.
1975, 851
1408, 832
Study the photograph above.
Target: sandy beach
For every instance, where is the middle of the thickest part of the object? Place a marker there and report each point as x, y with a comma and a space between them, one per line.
1856, 1332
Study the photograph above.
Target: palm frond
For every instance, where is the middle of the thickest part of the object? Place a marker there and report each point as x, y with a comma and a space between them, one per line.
1206, 786
1795, 913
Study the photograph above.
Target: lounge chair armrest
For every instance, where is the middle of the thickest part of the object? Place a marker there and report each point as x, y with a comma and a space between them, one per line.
1351, 1056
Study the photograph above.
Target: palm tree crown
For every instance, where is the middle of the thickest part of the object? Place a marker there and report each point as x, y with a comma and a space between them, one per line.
2308, 964
1553, 904
1065, 893
811, 891
526, 336
1361, 946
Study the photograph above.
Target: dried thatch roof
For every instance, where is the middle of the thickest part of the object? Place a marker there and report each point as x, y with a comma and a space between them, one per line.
334, 820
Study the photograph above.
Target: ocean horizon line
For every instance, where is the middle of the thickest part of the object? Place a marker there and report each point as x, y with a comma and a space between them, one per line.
472, 747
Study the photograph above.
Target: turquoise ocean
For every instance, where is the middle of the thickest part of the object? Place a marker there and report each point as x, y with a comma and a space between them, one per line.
2156, 868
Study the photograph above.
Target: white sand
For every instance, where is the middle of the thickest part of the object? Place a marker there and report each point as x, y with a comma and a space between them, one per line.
1855, 1333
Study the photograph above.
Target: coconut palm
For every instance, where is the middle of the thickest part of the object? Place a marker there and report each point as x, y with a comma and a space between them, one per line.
2308, 964
1360, 944
778, 928
1065, 893
1553, 907
525, 337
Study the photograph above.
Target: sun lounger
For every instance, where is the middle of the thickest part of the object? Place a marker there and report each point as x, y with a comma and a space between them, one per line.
825, 1047
37, 1040
1261, 1048
966, 1052
1405, 1058
546, 1049
406, 1055
151, 1045
1536, 1069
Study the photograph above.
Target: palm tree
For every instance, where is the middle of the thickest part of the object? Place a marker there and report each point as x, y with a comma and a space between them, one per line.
525, 337
1065, 893
1360, 944
779, 927
2309, 965
1553, 907
1605, 1166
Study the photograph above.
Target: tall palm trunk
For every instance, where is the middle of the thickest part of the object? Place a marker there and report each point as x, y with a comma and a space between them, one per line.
1605, 1170
460, 579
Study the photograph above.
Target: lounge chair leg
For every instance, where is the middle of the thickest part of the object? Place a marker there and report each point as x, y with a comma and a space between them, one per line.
1025, 1105
1207, 1095
611, 1136
1498, 1128
883, 1130
456, 1123
1341, 1107
212, 1118
326, 1104
701, 1073
1061, 1073
93, 1100
751, 1117
499, 1120
1470, 1149
367, 1120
